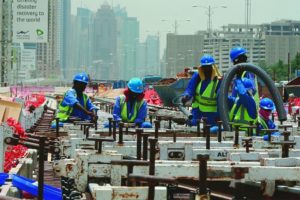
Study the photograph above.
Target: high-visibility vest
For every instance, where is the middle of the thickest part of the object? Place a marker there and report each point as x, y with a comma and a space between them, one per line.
240, 116
207, 101
124, 111
64, 112
263, 124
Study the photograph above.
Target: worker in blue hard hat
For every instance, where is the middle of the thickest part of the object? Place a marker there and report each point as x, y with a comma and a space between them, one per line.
238, 55
243, 106
203, 88
76, 103
266, 106
131, 106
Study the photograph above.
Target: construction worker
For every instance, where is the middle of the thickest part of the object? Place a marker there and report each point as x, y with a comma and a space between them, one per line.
243, 106
291, 103
266, 107
203, 87
131, 106
76, 103
239, 55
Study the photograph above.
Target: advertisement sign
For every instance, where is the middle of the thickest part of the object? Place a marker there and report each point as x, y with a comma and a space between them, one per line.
28, 59
30, 21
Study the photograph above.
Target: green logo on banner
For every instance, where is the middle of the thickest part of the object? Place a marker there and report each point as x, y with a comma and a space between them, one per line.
39, 32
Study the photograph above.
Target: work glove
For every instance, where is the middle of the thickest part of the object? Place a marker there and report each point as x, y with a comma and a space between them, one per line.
53, 124
238, 82
106, 125
214, 129
146, 125
239, 86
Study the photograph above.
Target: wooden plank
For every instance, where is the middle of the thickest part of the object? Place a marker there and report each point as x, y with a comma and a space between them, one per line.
12, 109
2, 111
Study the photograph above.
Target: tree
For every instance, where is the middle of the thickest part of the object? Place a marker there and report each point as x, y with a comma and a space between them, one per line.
296, 63
279, 71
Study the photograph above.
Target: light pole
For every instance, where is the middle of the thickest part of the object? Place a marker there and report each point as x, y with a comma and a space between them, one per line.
176, 23
209, 14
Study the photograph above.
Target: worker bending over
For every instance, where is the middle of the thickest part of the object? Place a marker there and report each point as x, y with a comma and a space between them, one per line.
131, 106
203, 88
76, 103
266, 106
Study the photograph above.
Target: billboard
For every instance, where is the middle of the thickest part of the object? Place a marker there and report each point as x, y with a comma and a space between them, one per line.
28, 59
30, 21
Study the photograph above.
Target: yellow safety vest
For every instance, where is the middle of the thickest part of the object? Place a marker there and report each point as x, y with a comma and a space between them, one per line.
64, 112
241, 117
263, 124
207, 101
124, 113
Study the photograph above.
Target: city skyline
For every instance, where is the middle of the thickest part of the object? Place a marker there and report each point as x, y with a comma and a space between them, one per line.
140, 51
158, 17
106, 42
150, 13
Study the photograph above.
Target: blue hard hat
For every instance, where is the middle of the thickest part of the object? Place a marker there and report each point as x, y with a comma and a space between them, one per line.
81, 77
236, 52
248, 84
136, 85
207, 60
266, 104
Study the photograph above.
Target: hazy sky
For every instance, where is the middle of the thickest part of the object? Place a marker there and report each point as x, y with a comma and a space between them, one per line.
150, 13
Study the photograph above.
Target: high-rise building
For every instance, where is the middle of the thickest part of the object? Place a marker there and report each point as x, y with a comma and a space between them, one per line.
67, 61
163, 65
182, 51
83, 38
282, 38
265, 42
186, 50
60, 37
47, 55
105, 43
147, 54
128, 39
152, 50
141, 59
250, 37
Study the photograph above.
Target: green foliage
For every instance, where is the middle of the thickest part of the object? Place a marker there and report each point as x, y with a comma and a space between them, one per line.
279, 71
296, 64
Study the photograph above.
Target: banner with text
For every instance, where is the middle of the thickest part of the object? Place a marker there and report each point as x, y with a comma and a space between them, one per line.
28, 59
30, 21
